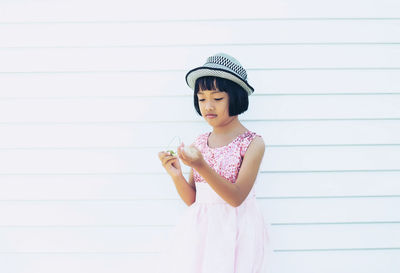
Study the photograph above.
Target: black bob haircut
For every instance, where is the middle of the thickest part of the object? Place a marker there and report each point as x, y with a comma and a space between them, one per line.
238, 98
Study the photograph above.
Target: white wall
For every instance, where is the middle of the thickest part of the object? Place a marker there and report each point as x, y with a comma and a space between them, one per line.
90, 91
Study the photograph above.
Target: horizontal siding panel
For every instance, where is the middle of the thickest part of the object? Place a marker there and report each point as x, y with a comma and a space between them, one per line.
328, 184
65, 239
337, 236
88, 187
182, 109
168, 212
94, 213
149, 239
330, 210
153, 186
160, 135
78, 262
374, 261
179, 9
212, 32
366, 261
172, 83
147, 58
107, 161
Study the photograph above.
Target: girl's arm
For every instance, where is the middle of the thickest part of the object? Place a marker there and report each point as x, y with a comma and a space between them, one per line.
236, 193
187, 191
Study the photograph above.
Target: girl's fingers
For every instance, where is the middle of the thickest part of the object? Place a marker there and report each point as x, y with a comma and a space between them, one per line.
162, 155
168, 161
180, 153
166, 158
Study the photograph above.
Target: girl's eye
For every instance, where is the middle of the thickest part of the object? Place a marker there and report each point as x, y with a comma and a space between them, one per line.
215, 99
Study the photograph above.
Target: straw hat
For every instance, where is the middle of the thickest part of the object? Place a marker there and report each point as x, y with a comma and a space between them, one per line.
221, 65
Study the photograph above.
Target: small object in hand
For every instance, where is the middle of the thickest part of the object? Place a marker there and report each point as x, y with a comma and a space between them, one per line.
190, 151
171, 152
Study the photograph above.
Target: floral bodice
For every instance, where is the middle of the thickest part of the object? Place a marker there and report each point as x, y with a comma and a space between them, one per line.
225, 160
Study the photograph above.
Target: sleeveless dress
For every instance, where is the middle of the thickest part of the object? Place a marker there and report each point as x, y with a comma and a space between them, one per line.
213, 236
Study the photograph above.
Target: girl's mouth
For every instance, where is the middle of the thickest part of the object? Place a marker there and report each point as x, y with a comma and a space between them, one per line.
211, 116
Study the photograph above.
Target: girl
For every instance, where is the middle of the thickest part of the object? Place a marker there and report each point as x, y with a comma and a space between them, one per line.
223, 229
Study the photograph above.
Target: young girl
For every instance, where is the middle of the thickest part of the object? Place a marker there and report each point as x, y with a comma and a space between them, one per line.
223, 230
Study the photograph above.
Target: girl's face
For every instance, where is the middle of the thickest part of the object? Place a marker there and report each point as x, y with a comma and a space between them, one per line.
214, 106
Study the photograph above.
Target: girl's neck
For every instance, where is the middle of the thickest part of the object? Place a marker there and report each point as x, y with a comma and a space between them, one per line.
231, 129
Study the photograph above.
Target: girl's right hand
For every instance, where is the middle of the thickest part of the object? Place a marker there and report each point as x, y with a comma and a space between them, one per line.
170, 163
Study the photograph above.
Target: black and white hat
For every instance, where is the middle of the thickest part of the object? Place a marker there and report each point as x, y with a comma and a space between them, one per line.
223, 66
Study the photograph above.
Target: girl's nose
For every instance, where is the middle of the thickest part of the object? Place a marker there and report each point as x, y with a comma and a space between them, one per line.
209, 106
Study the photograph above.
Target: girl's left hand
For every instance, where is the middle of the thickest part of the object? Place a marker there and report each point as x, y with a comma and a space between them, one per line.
194, 159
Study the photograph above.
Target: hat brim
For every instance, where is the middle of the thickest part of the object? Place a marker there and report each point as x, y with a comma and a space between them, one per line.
202, 71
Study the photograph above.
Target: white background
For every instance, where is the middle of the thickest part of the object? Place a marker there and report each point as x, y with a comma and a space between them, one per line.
91, 91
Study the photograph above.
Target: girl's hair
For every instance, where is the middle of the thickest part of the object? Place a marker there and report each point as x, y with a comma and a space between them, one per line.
238, 98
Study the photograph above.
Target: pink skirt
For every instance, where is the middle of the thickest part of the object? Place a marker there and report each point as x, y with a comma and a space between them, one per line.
213, 236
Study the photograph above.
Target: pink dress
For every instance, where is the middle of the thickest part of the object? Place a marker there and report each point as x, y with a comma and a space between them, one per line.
213, 236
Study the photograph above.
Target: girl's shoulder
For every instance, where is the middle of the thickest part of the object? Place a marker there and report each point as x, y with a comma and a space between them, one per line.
249, 136
247, 139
